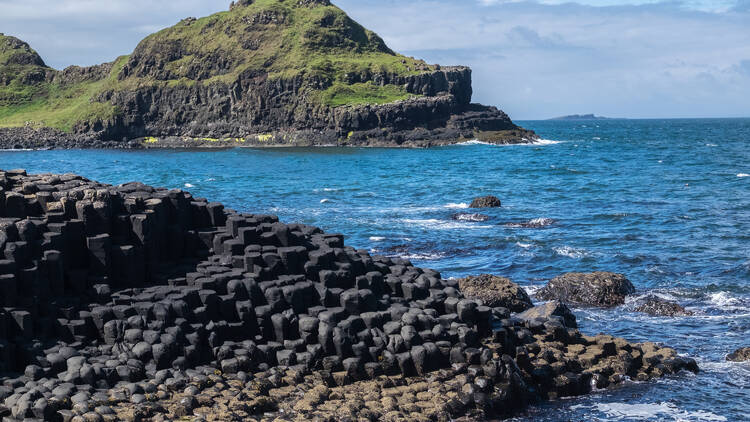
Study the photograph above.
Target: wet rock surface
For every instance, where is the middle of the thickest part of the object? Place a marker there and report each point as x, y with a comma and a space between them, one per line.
470, 217
486, 202
656, 306
143, 304
739, 355
602, 289
495, 291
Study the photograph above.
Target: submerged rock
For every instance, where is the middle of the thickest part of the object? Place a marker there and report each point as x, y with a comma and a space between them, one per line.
739, 355
656, 306
536, 223
486, 202
549, 310
470, 217
495, 292
602, 289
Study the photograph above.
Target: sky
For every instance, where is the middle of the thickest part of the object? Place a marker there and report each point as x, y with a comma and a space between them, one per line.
535, 59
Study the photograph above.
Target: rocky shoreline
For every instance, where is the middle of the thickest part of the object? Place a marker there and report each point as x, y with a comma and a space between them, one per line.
145, 304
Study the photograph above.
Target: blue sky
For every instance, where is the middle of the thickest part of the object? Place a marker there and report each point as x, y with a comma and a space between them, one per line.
534, 59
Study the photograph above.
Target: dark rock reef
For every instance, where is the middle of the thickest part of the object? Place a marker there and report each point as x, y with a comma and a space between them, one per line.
495, 291
600, 289
739, 355
142, 304
656, 306
486, 202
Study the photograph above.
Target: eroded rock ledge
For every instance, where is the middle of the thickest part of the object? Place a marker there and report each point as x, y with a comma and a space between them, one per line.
135, 303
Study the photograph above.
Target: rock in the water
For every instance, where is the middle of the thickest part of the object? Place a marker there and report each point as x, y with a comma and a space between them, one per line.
486, 202
548, 310
601, 289
495, 292
739, 355
470, 217
656, 306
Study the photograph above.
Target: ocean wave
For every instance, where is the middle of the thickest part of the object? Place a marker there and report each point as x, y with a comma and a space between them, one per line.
435, 224
377, 238
662, 411
454, 205
470, 217
743, 175
545, 142
474, 142
524, 245
325, 200
534, 223
571, 252
188, 185
326, 190
423, 256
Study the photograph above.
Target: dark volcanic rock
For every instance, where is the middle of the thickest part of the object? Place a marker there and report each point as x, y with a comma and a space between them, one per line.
601, 289
656, 306
486, 202
739, 355
470, 217
495, 291
138, 303
548, 310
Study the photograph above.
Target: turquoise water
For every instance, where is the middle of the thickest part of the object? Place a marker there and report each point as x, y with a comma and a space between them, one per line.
665, 202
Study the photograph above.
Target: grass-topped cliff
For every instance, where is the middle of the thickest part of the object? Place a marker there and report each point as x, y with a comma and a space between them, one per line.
262, 66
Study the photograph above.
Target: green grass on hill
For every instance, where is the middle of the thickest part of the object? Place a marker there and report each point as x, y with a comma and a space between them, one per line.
278, 38
361, 93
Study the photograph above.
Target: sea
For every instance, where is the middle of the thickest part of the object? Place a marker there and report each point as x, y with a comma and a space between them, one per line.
665, 202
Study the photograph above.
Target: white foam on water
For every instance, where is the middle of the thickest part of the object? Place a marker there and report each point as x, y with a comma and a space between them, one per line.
743, 175
377, 238
325, 200
453, 205
423, 256
433, 223
17, 149
188, 185
723, 300
596, 138
474, 142
545, 142
524, 245
662, 411
571, 252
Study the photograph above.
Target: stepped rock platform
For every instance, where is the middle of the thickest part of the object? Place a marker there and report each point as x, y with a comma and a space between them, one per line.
143, 304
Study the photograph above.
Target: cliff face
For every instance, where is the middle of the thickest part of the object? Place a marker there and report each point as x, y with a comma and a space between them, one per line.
266, 72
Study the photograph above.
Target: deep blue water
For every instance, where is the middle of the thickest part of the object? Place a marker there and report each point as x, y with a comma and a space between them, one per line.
666, 202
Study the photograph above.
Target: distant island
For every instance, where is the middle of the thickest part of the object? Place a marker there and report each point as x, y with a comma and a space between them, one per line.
582, 117
264, 73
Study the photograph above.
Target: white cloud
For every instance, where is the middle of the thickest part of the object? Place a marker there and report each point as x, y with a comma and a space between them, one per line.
534, 59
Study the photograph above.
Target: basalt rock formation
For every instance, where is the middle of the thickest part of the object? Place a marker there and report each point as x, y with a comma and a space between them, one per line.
265, 73
495, 291
137, 303
602, 289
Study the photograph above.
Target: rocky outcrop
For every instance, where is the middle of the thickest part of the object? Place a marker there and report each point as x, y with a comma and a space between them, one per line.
601, 289
656, 306
739, 355
486, 202
495, 291
550, 310
248, 86
138, 303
